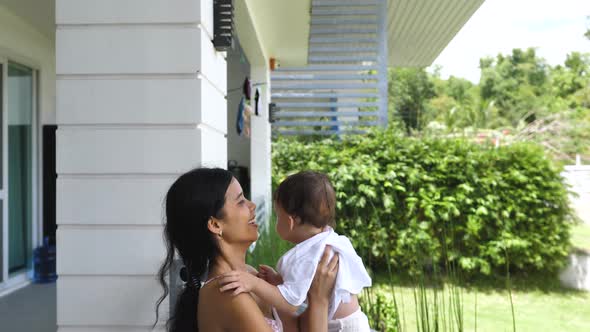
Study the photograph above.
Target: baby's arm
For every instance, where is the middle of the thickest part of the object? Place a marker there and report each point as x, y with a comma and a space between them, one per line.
241, 282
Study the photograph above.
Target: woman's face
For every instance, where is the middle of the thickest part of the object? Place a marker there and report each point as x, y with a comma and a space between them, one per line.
239, 216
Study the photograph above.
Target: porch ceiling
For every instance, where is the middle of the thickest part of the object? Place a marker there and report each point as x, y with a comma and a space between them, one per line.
40, 14
418, 30
280, 26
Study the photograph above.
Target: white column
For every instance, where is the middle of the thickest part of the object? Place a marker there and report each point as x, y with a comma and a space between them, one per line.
140, 99
260, 147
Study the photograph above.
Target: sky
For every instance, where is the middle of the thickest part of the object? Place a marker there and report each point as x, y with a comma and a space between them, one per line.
554, 27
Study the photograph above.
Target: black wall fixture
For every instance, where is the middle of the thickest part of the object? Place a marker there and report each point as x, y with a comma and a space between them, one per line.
272, 109
223, 24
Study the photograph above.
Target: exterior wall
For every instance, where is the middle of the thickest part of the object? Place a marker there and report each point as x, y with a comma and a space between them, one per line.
577, 272
21, 43
140, 99
576, 275
578, 177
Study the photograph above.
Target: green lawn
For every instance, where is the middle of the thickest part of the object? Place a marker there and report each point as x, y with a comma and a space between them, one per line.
535, 310
581, 236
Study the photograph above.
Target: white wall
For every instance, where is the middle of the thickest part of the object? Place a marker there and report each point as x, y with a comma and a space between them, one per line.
20, 42
578, 177
577, 272
140, 100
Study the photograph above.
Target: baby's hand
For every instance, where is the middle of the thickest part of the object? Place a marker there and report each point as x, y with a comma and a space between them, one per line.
239, 281
268, 274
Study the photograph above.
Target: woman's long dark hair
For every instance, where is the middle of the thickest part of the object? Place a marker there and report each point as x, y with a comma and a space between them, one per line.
191, 201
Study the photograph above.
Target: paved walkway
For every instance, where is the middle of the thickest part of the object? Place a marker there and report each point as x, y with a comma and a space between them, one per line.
29, 309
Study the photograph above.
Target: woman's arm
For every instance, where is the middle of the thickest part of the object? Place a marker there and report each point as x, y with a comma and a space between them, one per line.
315, 318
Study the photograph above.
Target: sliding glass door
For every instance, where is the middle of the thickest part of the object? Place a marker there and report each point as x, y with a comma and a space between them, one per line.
17, 125
3, 214
20, 98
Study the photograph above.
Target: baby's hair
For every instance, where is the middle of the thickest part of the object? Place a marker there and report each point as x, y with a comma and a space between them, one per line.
308, 195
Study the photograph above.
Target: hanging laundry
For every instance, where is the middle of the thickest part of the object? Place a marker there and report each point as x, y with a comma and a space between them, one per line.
243, 118
247, 116
247, 88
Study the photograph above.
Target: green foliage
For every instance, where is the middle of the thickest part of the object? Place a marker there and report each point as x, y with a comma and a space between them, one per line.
415, 202
458, 105
570, 83
379, 307
515, 82
409, 91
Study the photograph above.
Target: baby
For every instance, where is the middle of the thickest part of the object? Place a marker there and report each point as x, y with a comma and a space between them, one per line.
305, 208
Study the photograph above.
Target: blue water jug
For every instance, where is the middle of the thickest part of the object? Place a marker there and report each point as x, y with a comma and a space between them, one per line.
44, 263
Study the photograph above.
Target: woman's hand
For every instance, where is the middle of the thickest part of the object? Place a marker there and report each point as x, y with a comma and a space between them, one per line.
325, 277
315, 317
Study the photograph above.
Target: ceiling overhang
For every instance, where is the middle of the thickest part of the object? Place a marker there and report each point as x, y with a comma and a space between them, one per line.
281, 28
39, 14
417, 30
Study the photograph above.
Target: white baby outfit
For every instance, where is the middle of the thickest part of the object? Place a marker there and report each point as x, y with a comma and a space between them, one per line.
298, 266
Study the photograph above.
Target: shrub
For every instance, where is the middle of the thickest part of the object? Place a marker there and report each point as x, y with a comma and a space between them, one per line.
414, 202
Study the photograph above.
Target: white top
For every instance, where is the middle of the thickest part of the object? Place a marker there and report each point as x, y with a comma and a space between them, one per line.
298, 266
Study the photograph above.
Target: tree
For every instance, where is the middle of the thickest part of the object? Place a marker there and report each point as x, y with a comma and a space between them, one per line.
573, 76
570, 83
515, 83
410, 89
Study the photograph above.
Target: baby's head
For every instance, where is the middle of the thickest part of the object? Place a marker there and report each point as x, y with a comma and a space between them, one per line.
304, 202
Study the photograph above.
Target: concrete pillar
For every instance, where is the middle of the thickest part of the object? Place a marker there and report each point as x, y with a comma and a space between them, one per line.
260, 147
140, 99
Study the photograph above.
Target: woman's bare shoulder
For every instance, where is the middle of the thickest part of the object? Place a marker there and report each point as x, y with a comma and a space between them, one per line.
236, 312
246, 315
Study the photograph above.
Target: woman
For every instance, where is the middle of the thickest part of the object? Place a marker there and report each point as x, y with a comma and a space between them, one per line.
211, 224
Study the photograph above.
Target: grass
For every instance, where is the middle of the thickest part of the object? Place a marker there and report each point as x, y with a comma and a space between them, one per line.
581, 236
535, 310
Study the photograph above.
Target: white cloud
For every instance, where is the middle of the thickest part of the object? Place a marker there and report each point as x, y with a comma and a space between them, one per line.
555, 28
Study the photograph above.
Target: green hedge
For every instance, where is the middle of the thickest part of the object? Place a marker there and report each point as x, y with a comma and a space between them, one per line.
437, 201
